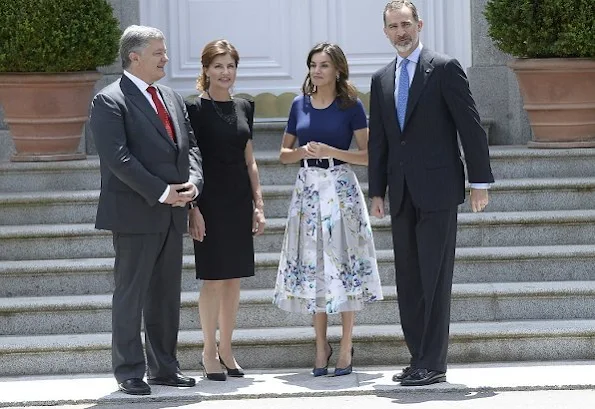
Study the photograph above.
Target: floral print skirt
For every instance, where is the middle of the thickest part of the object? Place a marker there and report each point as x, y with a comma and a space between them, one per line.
328, 261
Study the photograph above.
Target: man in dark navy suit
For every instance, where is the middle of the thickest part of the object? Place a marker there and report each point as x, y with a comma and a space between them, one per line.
418, 104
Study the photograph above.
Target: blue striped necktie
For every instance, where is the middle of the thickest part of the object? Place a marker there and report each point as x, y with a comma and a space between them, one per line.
403, 93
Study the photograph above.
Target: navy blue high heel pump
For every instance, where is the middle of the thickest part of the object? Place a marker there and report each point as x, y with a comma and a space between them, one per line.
347, 370
324, 370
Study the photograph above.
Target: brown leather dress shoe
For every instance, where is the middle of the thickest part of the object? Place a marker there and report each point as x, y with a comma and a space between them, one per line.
422, 377
176, 379
134, 386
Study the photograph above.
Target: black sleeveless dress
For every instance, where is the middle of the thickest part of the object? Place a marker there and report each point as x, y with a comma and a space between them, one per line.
227, 250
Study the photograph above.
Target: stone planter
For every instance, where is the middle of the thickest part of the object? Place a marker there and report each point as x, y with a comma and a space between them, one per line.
45, 113
559, 97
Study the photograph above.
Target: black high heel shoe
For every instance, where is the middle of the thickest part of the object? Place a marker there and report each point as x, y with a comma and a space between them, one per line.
233, 372
347, 370
324, 370
213, 376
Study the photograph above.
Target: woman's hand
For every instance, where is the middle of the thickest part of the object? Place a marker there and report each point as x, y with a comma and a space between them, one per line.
196, 224
258, 222
318, 150
303, 150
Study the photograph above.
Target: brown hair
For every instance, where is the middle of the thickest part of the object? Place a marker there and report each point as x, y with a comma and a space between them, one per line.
209, 53
397, 5
346, 92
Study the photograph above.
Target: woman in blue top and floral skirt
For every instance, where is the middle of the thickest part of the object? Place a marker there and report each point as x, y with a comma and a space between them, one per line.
328, 262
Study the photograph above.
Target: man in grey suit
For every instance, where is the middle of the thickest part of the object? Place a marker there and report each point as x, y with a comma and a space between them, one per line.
418, 104
150, 173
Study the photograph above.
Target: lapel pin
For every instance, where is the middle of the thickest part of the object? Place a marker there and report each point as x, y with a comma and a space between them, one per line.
428, 71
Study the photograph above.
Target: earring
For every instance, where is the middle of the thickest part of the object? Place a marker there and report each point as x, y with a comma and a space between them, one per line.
338, 76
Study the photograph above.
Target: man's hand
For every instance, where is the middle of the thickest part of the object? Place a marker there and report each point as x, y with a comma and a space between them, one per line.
196, 224
180, 194
479, 199
377, 207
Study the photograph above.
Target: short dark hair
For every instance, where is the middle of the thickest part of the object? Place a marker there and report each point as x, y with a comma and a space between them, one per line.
397, 5
135, 39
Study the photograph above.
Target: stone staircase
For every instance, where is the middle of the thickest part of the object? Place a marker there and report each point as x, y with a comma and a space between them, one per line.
524, 276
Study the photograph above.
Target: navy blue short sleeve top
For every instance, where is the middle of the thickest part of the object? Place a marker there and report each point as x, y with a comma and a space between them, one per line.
332, 125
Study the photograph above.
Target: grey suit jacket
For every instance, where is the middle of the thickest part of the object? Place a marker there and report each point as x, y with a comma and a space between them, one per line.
139, 159
426, 155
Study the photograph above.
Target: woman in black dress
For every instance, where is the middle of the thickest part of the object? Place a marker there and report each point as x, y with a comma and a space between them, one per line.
229, 210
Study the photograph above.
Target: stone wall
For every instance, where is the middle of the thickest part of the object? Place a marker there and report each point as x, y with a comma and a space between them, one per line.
127, 11
494, 85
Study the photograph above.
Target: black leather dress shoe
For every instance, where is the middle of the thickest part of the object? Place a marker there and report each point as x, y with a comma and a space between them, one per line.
405, 372
421, 377
135, 386
176, 379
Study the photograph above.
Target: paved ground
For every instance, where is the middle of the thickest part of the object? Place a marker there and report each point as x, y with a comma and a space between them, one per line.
510, 386
565, 399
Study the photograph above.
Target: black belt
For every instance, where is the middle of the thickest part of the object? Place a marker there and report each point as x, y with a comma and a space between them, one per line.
320, 163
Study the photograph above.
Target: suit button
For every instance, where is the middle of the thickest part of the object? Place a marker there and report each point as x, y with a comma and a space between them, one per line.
403, 143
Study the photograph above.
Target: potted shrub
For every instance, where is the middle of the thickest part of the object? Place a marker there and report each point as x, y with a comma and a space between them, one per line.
554, 42
49, 52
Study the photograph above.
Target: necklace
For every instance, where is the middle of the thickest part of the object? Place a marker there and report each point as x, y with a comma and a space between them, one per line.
228, 118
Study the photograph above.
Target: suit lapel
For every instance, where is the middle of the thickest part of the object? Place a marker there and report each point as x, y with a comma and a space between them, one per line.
140, 101
387, 82
423, 70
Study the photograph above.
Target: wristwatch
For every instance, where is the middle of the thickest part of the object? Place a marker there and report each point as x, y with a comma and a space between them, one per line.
192, 205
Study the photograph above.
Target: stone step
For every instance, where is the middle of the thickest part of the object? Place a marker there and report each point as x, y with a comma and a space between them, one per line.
46, 241
273, 172
520, 195
511, 162
481, 229
64, 277
512, 195
50, 176
268, 133
508, 162
470, 302
293, 347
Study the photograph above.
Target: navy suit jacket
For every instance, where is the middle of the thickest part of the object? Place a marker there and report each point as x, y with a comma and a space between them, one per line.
426, 154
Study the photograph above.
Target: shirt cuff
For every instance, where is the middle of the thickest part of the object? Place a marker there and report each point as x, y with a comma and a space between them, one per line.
480, 185
197, 192
164, 195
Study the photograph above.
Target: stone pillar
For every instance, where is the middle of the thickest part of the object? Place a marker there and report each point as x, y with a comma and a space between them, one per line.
127, 11
494, 85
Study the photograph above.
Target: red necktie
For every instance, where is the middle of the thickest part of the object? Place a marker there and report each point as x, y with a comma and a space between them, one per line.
162, 112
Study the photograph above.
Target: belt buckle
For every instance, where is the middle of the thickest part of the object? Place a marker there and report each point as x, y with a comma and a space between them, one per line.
329, 162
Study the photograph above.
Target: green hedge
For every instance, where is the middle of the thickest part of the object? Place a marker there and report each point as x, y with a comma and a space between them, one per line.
542, 28
57, 35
